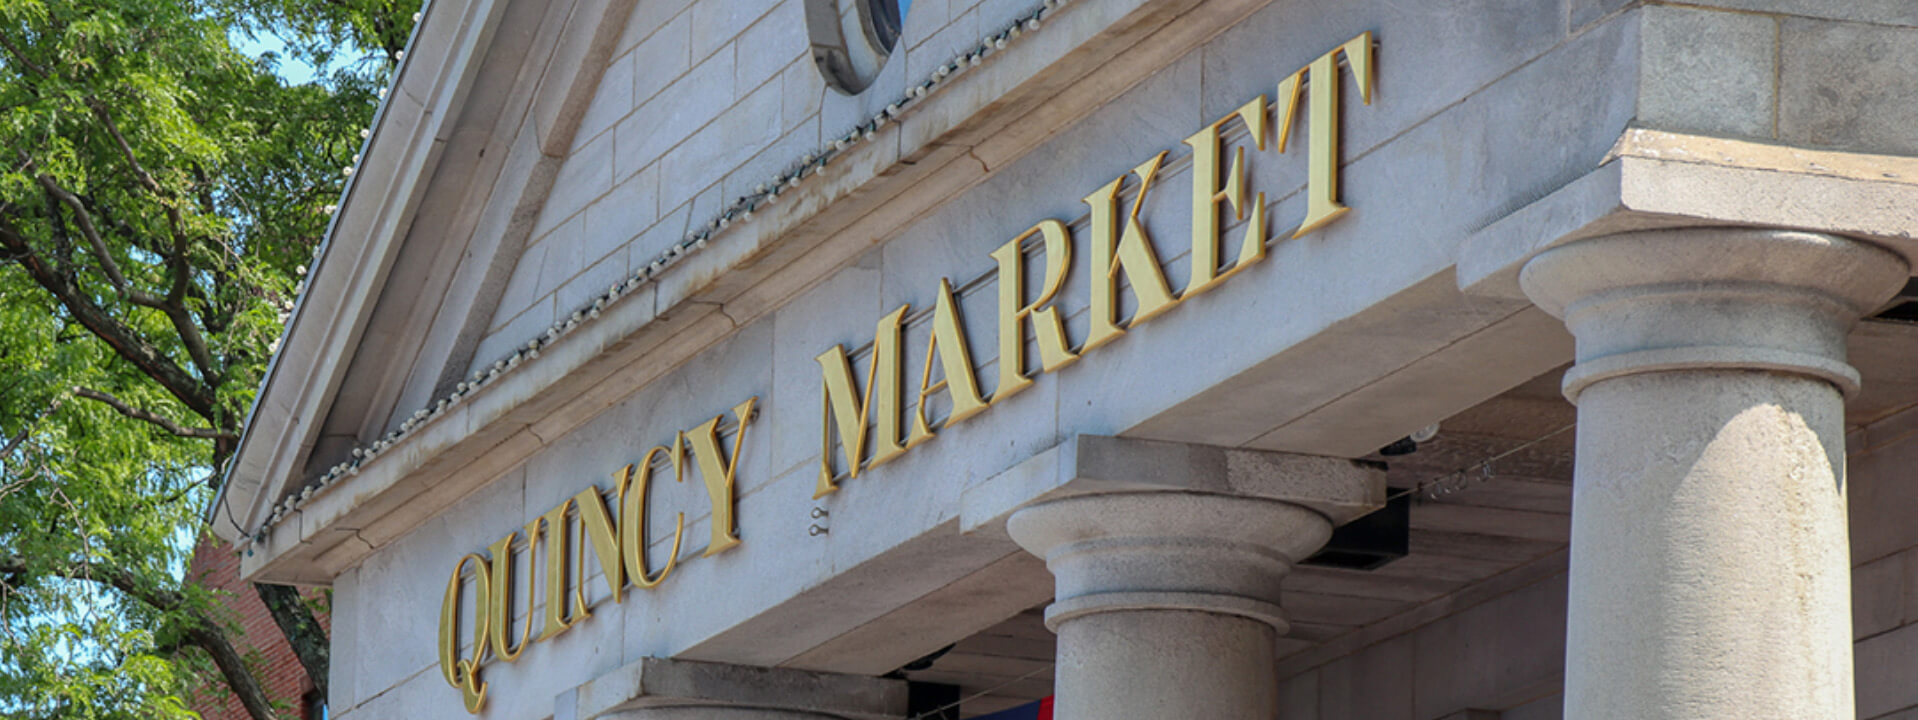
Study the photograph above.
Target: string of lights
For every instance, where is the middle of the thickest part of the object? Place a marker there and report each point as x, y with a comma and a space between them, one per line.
741, 210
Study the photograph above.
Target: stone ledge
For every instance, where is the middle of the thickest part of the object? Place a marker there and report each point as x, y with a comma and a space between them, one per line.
664, 682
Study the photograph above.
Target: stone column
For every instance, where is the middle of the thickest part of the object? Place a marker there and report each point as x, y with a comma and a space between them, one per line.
1710, 566
1167, 573
666, 689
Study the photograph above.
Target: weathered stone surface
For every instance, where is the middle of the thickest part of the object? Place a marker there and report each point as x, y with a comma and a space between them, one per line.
1884, 673
627, 692
1709, 72
1878, 596
1878, 12
1675, 546
1848, 85
1585, 12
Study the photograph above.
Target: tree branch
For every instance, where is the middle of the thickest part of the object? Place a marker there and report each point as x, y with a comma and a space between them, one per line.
199, 629
153, 417
303, 632
27, 427
126, 149
171, 305
22, 57
84, 220
129, 345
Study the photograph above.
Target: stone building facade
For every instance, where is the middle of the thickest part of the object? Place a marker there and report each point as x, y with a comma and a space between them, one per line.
1458, 359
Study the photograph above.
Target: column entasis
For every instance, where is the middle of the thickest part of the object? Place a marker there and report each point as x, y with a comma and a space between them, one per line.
1167, 566
1710, 566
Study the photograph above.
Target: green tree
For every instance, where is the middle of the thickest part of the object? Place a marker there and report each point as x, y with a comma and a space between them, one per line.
160, 192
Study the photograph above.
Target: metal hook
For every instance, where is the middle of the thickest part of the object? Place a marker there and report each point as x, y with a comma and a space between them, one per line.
819, 512
815, 530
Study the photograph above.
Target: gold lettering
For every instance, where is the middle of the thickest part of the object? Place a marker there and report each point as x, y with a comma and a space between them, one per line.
1322, 160
596, 526
1207, 193
633, 504
879, 409
559, 615
1130, 253
1047, 328
463, 673
499, 611
718, 472
948, 343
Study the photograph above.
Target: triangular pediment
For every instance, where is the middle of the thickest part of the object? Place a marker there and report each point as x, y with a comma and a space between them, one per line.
431, 241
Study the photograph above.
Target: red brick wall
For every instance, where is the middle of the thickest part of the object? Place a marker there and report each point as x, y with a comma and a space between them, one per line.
216, 566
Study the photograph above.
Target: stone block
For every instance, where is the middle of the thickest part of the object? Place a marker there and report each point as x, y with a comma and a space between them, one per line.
651, 243
619, 216
1883, 501
1432, 54
1877, 12
1911, 586
772, 160
801, 91
923, 53
646, 20
1493, 654
1299, 696
1883, 666
1374, 683
565, 254
717, 22
1848, 85
673, 113
1706, 71
611, 101
712, 153
1585, 12
702, 598
522, 287
401, 586
1338, 488
957, 240
580, 292
773, 41
342, 678
424, 694
662, 57
1550, 707
734, 370
1878, 595
840, 310
500, 342
662, 682
585, 176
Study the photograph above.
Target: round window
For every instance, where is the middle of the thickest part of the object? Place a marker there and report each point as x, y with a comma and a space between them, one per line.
851, 39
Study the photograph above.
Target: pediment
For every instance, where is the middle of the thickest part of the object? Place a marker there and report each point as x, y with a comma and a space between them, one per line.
455, 176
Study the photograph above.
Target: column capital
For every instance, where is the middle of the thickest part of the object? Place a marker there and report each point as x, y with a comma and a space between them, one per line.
1186, 538
1712, 298
667, 689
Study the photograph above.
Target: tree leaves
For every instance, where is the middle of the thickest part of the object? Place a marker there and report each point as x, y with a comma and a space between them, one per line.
160, 194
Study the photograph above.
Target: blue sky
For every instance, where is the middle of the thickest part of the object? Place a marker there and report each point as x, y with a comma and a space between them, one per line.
291, 69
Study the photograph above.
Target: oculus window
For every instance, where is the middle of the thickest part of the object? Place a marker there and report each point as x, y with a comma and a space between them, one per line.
852, 39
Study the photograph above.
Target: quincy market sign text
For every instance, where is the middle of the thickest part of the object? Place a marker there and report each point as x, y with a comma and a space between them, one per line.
868, 423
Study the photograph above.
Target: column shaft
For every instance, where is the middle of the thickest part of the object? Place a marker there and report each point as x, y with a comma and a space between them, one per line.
1161, 664
1710, 565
